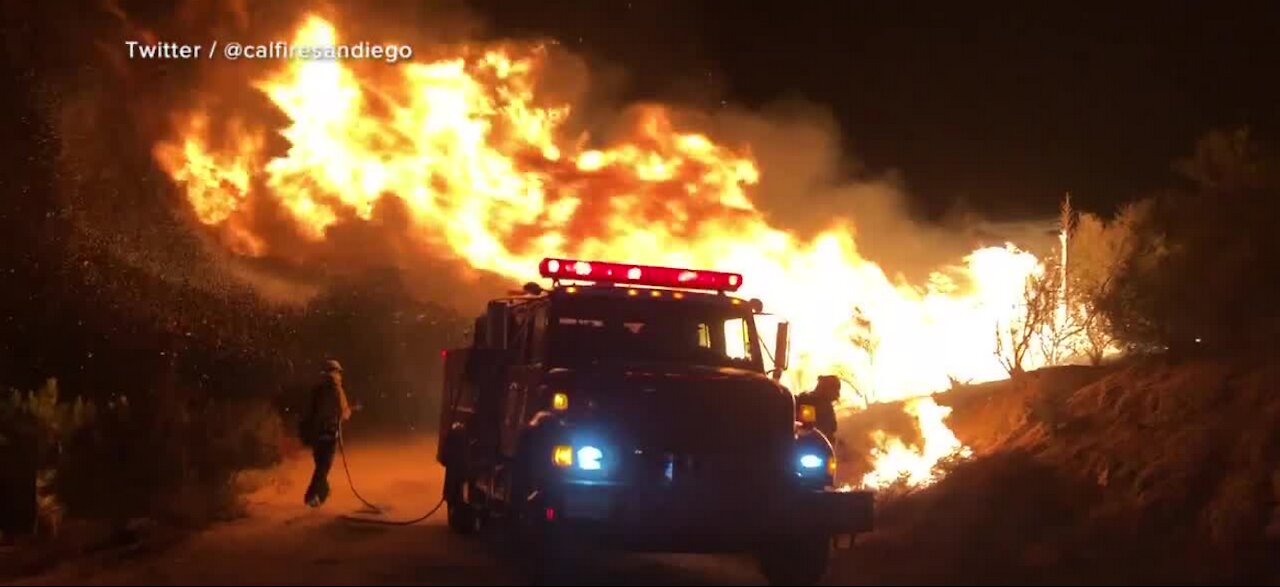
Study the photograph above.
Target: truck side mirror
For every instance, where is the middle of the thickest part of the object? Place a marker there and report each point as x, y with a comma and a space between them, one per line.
497, 323
782, 350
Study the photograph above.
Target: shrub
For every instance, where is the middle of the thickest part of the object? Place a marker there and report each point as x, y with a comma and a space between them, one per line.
165, 457
34, 428
1204, 276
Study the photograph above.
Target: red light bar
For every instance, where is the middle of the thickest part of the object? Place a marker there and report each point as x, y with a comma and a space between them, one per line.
602, 272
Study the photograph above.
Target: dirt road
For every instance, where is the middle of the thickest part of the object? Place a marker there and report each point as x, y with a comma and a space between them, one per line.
280, 541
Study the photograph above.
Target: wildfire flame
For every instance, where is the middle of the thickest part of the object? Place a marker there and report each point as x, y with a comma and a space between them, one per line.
895, 461
487, 174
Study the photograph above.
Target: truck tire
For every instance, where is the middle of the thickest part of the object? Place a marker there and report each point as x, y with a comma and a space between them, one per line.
798, 561
462, 514
546, 553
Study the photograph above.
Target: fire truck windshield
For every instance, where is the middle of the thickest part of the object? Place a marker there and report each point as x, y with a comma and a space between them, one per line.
587, 330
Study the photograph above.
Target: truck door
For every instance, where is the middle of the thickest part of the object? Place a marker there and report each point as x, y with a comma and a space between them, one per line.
525, 375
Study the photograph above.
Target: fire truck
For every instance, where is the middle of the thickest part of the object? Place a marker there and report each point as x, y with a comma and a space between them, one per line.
629, 406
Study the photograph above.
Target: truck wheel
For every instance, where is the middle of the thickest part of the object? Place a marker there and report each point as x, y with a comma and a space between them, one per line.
801, 561
462, 514
546, 554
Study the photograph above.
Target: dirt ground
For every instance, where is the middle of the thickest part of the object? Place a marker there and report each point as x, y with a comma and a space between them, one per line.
280, 541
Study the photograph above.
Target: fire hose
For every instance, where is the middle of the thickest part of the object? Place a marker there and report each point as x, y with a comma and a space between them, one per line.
342, 450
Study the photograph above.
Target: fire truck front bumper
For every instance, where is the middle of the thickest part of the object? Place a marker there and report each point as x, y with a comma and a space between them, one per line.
703, 519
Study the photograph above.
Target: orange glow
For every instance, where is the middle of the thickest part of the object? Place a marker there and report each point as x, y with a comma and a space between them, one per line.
488, 174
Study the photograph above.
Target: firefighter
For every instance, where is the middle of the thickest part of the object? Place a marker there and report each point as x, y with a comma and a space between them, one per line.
823, 399
328, 410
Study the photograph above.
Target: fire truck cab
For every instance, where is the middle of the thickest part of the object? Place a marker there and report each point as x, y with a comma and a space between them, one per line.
629, 406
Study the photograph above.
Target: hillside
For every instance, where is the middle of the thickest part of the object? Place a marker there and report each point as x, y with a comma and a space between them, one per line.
1146, 472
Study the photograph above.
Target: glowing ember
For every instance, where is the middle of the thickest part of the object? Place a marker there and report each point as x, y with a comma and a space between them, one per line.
488, 175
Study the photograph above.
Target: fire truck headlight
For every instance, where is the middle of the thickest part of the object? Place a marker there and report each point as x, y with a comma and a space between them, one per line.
811, 461
589, 458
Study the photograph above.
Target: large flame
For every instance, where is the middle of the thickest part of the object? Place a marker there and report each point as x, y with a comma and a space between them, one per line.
488, 174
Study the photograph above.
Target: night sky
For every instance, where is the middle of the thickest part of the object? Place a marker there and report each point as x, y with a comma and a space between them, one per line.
1001, 107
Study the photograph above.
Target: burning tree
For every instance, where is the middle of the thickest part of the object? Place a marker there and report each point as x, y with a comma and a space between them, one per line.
1062, 313
1043, 322
1017, 337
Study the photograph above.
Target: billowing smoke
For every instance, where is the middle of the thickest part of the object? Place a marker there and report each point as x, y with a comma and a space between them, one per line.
807, 180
